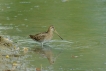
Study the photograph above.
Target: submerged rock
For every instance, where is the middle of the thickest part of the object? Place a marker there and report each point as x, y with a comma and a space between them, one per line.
5, 42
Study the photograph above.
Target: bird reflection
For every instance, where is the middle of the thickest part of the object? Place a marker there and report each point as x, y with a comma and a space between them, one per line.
47, 52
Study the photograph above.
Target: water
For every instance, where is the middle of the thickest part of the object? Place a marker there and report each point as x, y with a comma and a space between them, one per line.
81, 23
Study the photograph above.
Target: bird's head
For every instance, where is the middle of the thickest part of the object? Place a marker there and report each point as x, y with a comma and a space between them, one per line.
52, 28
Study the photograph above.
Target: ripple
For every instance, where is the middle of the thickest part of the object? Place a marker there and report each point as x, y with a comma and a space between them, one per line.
8, 7
63, 41
8, 18
25, 2
36, 6
4, 28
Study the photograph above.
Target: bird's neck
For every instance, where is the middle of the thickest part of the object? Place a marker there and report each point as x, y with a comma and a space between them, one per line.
50, 32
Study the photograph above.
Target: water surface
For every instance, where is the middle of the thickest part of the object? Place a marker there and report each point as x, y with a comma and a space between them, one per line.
81, 23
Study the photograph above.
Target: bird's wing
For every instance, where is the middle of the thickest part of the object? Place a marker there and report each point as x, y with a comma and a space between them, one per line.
38, 37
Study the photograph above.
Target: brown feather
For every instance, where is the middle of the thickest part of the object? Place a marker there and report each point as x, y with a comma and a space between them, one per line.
38, 37
43, 37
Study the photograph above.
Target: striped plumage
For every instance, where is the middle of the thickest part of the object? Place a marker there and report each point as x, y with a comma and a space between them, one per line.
45, 36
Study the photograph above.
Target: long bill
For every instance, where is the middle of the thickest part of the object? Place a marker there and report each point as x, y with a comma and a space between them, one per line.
58, 34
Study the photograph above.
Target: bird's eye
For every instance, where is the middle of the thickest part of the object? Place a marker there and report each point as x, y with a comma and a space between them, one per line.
53, 27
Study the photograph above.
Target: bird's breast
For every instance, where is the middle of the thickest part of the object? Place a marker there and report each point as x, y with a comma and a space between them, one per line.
48, 37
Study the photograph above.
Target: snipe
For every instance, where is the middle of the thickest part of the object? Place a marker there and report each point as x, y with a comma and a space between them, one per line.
45, 36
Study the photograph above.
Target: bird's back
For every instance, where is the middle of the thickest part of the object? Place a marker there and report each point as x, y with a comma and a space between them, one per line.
39, 37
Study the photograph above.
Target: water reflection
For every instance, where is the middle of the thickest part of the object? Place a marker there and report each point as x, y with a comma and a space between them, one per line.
48, 53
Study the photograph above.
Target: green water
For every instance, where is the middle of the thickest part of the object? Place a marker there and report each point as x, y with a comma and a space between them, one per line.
81, 23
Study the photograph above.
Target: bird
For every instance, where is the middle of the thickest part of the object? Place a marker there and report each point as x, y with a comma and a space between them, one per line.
45, 36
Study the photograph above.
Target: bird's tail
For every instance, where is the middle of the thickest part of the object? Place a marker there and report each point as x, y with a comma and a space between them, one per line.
31, 36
